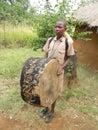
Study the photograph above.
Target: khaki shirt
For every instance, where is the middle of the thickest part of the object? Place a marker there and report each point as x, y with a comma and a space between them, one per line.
56, 49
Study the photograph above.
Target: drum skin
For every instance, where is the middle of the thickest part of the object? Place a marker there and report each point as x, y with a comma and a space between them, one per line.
39, 81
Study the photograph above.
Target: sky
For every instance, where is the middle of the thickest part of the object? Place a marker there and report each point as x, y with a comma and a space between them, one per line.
53, 2
34, 2
40, 3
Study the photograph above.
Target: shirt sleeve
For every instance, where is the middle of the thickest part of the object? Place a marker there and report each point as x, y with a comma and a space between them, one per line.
46, 46
70, 50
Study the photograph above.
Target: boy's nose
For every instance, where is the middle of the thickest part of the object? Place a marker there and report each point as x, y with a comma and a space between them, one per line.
57, 29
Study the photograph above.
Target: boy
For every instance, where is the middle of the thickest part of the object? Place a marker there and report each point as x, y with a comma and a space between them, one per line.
56, 49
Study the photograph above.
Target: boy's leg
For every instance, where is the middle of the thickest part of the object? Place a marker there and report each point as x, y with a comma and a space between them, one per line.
44, 112
50, 115
53, 106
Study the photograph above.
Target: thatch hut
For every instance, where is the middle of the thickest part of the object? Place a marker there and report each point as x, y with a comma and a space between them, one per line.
88, 50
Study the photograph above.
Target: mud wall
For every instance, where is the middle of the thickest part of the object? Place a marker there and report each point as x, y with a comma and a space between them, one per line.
88, 51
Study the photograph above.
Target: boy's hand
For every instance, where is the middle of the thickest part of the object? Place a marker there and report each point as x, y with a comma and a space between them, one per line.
60, 70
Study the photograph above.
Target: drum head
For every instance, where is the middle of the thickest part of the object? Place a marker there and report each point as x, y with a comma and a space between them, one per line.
48, 83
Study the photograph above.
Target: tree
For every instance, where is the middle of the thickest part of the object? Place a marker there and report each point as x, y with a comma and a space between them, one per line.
15, 11
48, 18
63, 11
45, 25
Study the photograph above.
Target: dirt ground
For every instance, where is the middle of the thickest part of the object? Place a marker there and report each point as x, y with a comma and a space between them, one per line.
65, 120
68, 119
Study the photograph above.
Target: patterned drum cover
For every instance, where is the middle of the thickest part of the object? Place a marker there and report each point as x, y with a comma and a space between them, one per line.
39, 81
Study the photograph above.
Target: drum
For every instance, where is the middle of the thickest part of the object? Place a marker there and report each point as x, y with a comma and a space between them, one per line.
39, 81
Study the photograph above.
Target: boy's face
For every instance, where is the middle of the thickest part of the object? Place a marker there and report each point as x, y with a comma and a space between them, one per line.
59, 29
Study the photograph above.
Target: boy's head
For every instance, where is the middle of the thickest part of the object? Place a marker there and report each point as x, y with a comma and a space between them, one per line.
60, 28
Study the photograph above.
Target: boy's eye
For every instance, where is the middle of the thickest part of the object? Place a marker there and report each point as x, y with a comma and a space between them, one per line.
58, 27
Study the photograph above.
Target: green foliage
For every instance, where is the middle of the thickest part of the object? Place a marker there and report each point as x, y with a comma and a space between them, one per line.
86, 2
69, 68
45, 26
20, 11
46, 22
79, 32
17, 36
10, 99
38, 43
12, 63
16, 11
45, 29
81, 95
83, 35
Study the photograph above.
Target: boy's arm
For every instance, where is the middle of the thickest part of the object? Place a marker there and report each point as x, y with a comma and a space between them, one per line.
66, 62
61, 68
70, 52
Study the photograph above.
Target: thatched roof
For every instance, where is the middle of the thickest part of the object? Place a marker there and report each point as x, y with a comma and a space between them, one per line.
88, 14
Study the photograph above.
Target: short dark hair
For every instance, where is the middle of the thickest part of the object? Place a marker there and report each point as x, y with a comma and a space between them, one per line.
64, 23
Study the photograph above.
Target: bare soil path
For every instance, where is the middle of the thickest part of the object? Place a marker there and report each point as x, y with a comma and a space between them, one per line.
66, 120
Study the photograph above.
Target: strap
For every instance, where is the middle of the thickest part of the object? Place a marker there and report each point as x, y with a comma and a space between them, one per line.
50, 40
66, 46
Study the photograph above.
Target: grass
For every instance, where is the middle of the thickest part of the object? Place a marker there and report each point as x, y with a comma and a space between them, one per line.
11, 61
16, 36
81, 96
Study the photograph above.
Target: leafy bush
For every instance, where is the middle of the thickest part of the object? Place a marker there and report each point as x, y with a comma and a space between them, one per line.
45, 29
47, 20
38, 43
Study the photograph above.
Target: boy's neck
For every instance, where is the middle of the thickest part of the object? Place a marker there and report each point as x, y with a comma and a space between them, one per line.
58, 37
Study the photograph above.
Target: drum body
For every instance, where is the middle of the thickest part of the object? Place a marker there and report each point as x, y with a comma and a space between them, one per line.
39, 81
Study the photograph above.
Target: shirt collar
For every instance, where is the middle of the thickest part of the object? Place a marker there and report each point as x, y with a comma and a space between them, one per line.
61, 39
